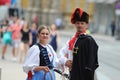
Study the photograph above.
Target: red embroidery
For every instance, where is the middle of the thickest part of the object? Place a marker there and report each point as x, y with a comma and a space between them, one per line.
49, 55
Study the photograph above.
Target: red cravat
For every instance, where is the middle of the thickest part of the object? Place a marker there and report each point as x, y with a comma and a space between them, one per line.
72, 41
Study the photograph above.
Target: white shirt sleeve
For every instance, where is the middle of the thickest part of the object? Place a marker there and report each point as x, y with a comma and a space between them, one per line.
56, 62
32, 59
63, 52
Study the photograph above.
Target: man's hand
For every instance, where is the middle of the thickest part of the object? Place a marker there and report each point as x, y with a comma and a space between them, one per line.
69, 64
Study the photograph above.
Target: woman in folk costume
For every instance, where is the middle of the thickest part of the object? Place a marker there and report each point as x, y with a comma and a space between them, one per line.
81, 49
41, 58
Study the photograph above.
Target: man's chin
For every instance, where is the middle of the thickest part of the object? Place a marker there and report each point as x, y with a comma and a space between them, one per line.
79, 30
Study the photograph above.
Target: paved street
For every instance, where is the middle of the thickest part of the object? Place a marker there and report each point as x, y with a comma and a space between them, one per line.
109, 59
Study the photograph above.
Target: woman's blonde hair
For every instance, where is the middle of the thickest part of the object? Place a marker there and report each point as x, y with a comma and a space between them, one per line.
26, 26
43, 27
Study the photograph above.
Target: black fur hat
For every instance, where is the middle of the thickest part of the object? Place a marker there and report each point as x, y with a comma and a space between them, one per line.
79, 15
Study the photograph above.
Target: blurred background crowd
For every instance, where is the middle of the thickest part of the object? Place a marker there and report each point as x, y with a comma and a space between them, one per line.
21, 18
102, 12
27, 15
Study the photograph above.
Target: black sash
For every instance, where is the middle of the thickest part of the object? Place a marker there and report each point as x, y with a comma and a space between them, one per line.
44, 58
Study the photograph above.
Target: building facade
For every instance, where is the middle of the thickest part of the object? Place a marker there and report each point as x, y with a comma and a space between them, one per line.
48, 10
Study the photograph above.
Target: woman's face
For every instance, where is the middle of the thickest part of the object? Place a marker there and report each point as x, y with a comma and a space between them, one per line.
34, 26
53, 27
26, 25
44, 36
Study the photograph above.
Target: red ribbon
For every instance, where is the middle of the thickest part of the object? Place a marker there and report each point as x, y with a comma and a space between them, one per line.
29, 75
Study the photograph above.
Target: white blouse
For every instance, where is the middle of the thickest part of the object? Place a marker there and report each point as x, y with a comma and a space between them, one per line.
32, 59
65, 50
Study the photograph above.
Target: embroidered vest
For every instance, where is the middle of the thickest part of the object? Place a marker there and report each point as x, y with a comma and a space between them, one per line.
44, 58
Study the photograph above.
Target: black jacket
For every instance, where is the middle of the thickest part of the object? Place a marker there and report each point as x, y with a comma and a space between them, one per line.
85, 59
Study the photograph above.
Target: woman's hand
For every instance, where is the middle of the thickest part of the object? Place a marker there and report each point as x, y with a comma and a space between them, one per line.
44, 68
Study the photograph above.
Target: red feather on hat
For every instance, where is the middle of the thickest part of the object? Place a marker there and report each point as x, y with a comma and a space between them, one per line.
80, 12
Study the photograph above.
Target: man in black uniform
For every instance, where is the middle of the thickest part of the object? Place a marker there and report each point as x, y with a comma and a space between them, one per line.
84, 49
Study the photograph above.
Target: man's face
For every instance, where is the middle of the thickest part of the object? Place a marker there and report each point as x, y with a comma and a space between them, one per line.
81, 26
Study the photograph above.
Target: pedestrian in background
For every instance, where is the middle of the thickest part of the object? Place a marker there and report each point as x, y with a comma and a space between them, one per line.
26, 40
82, 49
41, 58
16, 31
54, 37
113, 28
58, 23
6, 37
34, 33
